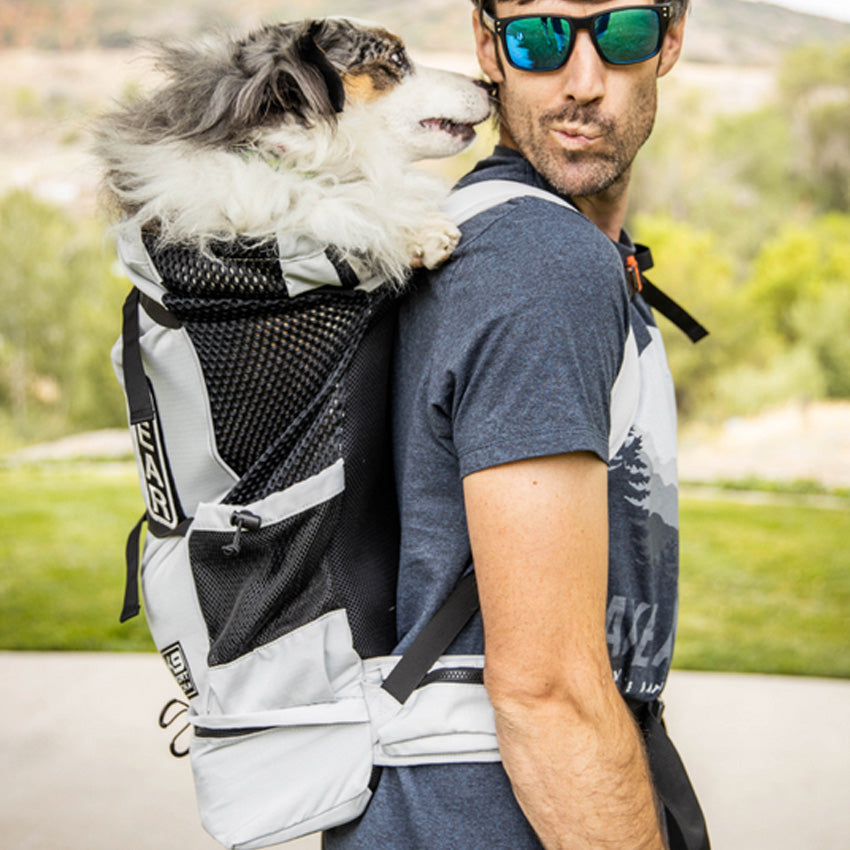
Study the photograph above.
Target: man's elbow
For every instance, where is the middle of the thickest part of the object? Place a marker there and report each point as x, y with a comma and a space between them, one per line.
582, 695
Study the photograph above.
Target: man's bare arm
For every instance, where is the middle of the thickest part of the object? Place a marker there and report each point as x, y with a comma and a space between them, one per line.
539, 533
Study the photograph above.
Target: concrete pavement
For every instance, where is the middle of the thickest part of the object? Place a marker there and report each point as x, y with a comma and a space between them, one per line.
84, 765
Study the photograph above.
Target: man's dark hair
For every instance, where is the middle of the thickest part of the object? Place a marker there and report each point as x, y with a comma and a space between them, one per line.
680, 7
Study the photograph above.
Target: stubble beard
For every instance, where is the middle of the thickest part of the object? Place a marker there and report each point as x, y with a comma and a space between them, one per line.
605, 167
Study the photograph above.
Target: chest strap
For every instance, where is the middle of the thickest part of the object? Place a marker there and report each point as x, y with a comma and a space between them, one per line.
657, 299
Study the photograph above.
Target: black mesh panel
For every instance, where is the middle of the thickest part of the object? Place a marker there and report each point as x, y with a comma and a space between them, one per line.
368, 528
294, 385
235, 271
279, 580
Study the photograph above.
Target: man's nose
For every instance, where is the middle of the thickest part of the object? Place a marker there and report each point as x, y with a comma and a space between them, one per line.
584, 73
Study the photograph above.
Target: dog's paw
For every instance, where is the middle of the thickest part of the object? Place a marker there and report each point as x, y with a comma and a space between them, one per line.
433, 244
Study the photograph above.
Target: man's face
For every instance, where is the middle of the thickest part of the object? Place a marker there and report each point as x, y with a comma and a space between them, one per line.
580, 125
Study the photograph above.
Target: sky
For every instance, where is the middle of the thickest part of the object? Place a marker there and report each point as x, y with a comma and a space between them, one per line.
830, 8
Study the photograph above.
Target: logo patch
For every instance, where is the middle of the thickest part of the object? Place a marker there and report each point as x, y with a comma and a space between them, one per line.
162, 506
175, 660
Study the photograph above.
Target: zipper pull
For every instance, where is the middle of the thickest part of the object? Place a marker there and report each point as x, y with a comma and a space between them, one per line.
243, 520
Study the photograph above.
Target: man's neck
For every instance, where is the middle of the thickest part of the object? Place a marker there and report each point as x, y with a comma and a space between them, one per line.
607, 210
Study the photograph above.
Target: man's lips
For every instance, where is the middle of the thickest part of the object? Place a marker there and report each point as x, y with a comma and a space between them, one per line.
577, 139
580, 135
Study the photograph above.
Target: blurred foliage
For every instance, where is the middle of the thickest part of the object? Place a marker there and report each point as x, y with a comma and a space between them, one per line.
741, 175
721, 31
748, 215
815, 100
61, 302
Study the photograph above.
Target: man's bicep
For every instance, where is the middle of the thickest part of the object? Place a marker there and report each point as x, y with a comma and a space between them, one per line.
539, 535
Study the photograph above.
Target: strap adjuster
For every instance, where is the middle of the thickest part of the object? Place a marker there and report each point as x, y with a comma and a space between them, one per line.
633, 275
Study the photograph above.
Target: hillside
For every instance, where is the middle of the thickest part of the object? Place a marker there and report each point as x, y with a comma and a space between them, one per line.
61, 62
743, 33
721, 31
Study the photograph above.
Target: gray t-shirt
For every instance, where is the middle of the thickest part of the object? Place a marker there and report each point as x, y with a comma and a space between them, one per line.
524, 344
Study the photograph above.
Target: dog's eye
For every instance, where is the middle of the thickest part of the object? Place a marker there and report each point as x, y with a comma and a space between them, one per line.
398, 60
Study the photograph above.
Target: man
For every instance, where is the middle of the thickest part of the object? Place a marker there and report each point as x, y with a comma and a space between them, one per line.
534, 434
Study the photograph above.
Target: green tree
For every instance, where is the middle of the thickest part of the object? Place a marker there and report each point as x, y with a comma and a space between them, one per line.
727, 174
815, 88
800, 289
743, 175
693, 269
61, 313
772, 187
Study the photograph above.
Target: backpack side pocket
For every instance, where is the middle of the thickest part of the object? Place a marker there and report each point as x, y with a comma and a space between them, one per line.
283, 743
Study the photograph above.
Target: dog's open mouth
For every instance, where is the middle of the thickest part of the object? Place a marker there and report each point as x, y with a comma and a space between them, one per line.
466, 132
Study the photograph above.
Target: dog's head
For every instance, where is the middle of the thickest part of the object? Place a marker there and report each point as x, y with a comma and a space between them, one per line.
306, 73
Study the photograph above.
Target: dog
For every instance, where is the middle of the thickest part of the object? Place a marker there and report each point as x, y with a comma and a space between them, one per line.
298, 131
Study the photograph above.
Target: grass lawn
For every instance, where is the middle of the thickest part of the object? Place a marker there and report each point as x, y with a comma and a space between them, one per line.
765, 588
62, 533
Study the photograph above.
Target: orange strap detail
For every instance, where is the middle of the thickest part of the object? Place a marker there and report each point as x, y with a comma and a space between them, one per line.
633, 270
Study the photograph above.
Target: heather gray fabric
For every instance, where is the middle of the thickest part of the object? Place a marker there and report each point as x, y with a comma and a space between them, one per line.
512, 351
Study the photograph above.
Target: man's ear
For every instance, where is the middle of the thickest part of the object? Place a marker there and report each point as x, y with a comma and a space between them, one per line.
486, 49
672, 48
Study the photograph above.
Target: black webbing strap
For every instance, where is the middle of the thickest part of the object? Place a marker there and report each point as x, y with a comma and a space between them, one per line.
673, 311
141, 410
685, 821
135, 381
663, 303
158, 313
131, 585
433, 640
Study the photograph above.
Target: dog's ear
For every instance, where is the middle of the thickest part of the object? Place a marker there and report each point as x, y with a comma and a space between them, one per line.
289, 75
315, 57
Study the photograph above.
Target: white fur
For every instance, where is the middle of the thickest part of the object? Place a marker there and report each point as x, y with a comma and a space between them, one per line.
349, 185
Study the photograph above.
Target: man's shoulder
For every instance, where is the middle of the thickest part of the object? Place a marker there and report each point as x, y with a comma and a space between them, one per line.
536, 242
512, 203
522, 255
534, 217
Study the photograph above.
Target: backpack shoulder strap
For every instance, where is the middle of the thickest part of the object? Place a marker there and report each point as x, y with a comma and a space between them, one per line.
468, 202
411, 669
433, 640
164, 515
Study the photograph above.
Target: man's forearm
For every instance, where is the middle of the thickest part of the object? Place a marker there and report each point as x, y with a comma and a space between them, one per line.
539, 536
582, 782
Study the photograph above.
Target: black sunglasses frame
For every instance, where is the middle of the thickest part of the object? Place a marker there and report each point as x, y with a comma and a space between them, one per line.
499, 27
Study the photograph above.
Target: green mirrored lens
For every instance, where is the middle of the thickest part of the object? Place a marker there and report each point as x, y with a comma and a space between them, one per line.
628, 35
539, 43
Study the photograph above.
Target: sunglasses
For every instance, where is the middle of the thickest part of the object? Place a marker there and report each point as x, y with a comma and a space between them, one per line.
544, 42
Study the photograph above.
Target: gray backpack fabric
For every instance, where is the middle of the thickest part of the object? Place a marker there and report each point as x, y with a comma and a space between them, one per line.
257, 390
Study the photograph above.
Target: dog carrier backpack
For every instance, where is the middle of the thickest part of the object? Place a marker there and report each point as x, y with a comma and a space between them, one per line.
257, 386
256, 381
